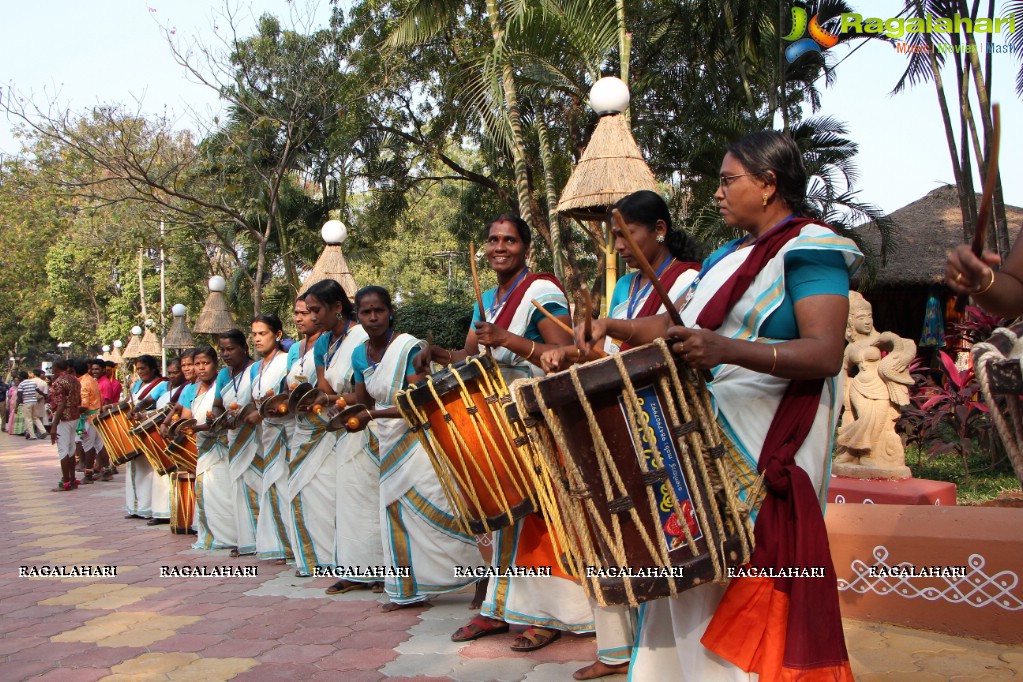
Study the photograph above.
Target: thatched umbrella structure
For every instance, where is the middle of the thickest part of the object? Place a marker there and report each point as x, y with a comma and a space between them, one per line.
131, 351
612, 167
215, 318
332, 264
928, 228
179, 335
150, 344
106, 353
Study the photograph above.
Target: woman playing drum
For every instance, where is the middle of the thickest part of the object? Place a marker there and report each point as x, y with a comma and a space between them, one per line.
767, 316
671, 253
518, 334
999, 293
214, 487
161, 488
138, 477
419, 532
267, 378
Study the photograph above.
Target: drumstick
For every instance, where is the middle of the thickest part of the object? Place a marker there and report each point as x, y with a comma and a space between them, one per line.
476, 280
562, 326
476, 286
984, 212
647, 270
588, 319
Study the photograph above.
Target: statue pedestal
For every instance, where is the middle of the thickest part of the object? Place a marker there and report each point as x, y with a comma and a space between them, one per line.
871, 473
905, 491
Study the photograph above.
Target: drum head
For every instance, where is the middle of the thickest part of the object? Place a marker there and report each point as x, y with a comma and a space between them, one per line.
419, 394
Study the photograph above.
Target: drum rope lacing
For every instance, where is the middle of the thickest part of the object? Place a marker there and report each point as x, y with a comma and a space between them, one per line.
693, 401
1009, 429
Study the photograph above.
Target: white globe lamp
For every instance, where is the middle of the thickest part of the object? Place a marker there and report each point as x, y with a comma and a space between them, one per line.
217, 283
178, 310
609, 95
136, 330
334, 232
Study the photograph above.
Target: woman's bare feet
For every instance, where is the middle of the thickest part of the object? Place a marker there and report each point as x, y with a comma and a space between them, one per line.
392, 606
600, 669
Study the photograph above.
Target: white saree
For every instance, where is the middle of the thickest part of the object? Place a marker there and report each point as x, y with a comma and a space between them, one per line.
139, 473
745, 401
160, 490
245, 462
274, 511
214, 487
418, 529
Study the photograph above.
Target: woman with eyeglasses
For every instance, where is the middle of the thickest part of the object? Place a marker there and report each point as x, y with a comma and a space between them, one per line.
767, 316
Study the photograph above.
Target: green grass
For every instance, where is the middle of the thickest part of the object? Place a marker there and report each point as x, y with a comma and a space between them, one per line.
985, 481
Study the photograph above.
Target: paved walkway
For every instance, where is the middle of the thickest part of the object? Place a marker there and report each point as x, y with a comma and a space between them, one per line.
138, 626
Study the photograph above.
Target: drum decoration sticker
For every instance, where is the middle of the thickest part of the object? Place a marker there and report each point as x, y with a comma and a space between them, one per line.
656, 437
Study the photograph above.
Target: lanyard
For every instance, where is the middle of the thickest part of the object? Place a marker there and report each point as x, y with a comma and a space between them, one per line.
373, 365
334, 346
637, 297
237, 386
498, 306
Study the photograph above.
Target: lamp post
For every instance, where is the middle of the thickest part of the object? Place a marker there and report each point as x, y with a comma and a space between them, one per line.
450, 256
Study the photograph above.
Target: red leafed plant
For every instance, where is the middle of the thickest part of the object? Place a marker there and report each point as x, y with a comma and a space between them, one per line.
947, 417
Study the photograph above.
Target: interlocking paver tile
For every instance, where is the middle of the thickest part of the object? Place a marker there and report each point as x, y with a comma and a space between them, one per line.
103, 596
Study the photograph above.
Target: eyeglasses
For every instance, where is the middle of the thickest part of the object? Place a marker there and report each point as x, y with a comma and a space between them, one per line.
726, 180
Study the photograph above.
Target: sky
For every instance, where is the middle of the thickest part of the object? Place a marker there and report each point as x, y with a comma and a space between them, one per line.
105, 51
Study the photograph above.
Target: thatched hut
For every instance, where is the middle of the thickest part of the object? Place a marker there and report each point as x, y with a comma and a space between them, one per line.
928, 228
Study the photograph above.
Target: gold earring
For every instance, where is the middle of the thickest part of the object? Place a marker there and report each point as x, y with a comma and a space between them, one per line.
765, 198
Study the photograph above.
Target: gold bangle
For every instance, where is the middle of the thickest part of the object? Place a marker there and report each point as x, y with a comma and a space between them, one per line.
774, 364
989, 285
632, 332
532, 349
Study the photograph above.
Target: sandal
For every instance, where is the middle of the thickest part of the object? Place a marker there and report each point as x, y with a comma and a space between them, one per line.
535, 638
234, 553
479, 626
342, 586
62, 487
300, 574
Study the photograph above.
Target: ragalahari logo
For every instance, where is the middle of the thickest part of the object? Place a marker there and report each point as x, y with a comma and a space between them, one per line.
818, 41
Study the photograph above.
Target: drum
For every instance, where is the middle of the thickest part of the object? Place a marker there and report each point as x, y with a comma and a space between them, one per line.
114, 424
154, 445
182, 502
458, 417
182, 450
646, 491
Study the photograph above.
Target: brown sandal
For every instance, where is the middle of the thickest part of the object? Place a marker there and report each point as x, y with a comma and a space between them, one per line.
535, 638
479, 626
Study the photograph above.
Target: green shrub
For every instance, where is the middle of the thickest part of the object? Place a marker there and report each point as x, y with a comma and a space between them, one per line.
449, 322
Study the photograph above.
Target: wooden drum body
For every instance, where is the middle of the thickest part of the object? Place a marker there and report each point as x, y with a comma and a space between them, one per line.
457, 415
114, 425
642, 483
182, 502
183, 451
154, 445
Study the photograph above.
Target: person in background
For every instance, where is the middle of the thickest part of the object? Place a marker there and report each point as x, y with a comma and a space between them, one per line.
109, 387
28, 396
15, 423
65, 401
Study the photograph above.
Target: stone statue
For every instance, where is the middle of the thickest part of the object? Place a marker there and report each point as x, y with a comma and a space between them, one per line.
876, 388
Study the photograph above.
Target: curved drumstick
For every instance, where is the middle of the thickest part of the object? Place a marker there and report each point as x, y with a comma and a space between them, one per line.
645, 266
476, 286
984, 212
564, 327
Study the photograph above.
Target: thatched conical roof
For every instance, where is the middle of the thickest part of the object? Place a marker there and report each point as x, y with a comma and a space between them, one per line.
215, 317
116, 356
150, 345
927, 229
131, 351
612, 167
331, 265
179, 336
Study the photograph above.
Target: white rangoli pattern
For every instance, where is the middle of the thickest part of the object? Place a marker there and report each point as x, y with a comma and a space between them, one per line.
976, 588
